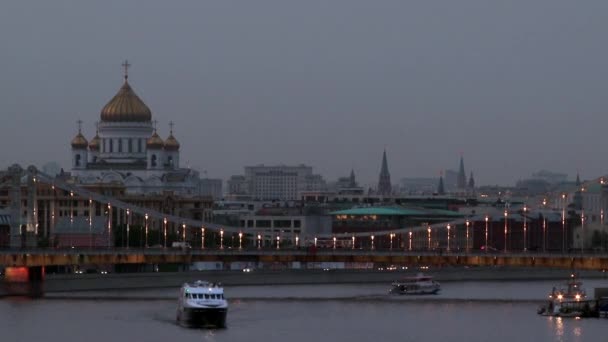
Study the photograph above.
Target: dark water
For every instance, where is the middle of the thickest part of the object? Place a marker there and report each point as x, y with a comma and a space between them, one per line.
466, 311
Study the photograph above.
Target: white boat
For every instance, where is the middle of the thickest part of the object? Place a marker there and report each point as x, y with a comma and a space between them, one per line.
568, 301
418, 285
202, 304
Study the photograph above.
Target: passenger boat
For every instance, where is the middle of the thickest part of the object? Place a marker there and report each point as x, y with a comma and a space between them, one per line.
569, 301
418, 285
202, 304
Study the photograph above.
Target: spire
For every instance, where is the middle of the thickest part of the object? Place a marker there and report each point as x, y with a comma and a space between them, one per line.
578, 180
384, 183
352, 181
440, 187
471, 182
461, 181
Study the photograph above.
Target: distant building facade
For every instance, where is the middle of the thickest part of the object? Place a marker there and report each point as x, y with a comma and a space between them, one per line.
211, 187
279, 182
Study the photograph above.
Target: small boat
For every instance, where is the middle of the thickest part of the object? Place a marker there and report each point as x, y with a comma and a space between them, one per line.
202, 304
568, 301
418, 285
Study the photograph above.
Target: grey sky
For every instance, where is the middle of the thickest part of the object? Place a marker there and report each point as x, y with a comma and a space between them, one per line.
515, 85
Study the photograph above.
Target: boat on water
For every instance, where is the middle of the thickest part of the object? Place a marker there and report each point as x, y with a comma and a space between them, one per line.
569, 300
419, 285
202, 304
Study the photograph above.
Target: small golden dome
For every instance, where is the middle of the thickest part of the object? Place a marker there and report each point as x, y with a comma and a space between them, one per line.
155, 141
79, 141
126, 106
94, 143
171, 144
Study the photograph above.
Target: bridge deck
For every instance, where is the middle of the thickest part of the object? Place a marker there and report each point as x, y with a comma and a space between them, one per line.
38, 257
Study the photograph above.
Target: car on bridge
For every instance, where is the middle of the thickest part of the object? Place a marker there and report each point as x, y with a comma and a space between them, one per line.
489, 249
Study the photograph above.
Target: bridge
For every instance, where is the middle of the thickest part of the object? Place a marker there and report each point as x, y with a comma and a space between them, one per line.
73, 257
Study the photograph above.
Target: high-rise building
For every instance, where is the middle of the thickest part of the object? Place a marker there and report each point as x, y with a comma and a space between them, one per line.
384, 181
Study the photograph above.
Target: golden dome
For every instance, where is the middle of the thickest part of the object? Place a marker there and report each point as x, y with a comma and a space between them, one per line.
126, 106
155, 141
171, 143
79, 141
94, 143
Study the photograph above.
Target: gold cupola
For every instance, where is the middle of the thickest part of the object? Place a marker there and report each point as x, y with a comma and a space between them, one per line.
155, 142
171, 144
126, 106
95, 142
79, 140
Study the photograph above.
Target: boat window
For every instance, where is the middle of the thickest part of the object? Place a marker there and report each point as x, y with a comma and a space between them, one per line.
206, 296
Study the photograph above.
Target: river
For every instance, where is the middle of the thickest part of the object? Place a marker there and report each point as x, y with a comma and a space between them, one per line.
464, 311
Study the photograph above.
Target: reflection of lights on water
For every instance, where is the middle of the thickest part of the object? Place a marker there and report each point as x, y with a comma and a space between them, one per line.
559, 326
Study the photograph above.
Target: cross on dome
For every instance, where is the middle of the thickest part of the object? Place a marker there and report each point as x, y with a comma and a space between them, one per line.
126, 66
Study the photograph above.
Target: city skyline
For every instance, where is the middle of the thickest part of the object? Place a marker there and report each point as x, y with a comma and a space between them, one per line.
316, 87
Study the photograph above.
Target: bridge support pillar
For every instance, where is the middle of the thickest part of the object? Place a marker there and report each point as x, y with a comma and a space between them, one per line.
24, 281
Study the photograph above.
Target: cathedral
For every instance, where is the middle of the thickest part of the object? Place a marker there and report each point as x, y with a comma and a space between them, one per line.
127, 149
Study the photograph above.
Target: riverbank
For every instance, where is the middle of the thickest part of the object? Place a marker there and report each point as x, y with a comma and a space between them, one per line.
87, 282
133, 281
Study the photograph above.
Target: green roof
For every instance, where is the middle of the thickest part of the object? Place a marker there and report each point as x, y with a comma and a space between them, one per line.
441, 212
380, 211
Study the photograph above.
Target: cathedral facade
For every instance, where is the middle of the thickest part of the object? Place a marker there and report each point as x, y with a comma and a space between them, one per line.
127, 149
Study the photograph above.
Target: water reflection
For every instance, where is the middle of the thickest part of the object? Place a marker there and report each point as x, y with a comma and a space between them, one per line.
322, 318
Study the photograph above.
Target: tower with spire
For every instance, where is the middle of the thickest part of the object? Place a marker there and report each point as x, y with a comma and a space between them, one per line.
461, 180
384, 181
440, 187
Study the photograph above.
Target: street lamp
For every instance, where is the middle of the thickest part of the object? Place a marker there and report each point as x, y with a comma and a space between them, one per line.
392, 235
429, 231
525, 229
448, 249
353, 242
184, 233
90, 223
259, 241
146, 218
165, 232
486, 246
544, 233
563, 223
582, 231
297, 241
128, 212
278, 242
240, 240
410, 244
315, 242
71, 217
221, 238
506, 230
334, 242
109, 225
467, 235
372, 242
